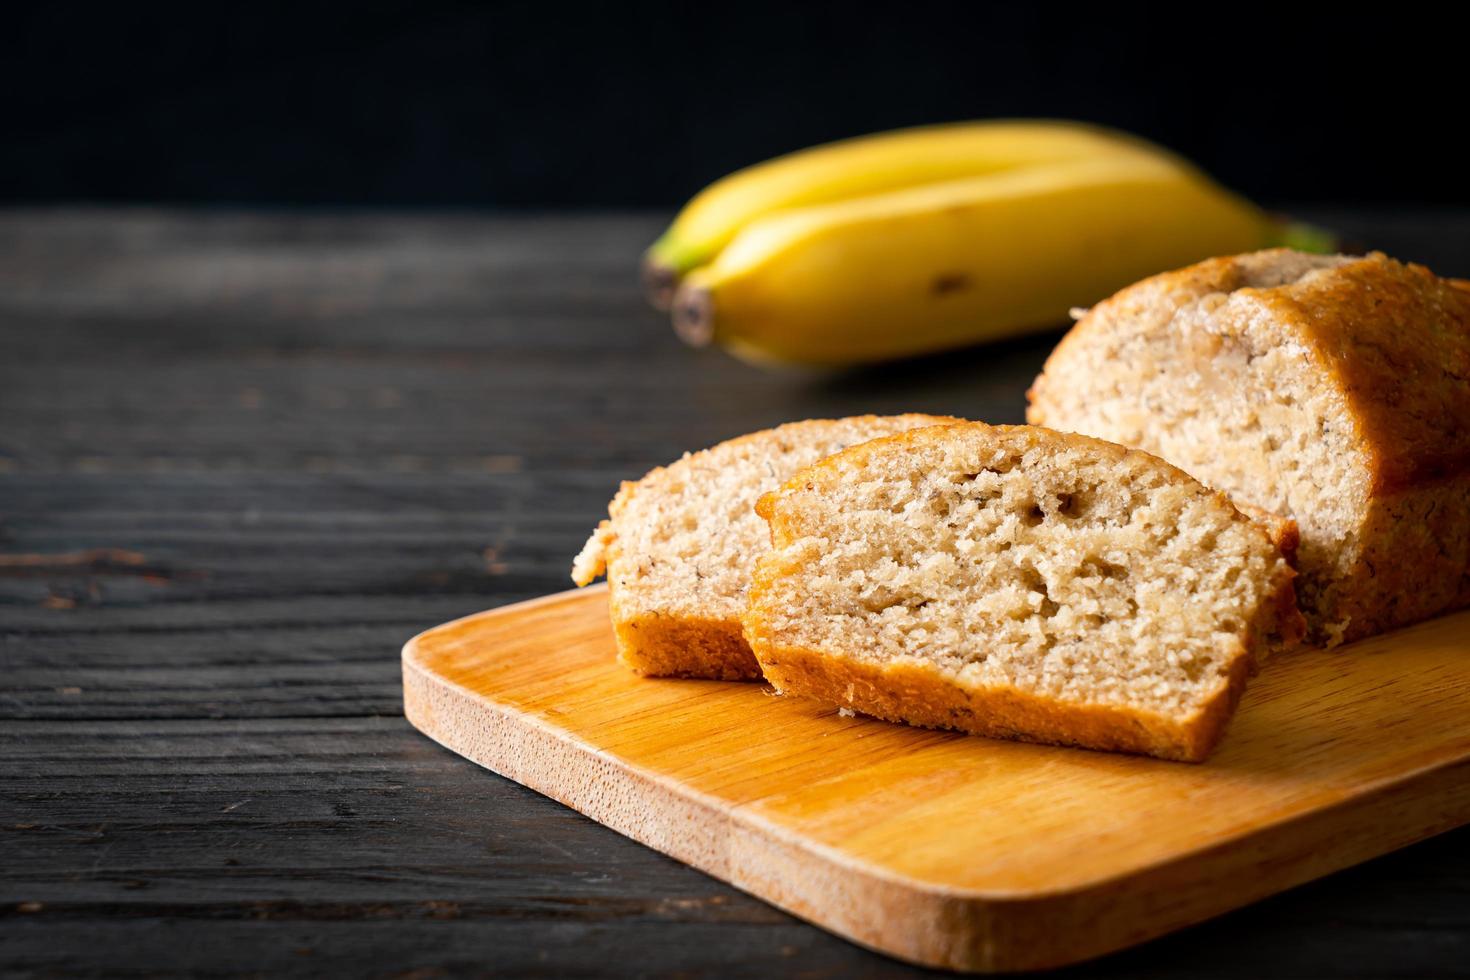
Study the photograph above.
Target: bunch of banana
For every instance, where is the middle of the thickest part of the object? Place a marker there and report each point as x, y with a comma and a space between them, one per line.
925, 239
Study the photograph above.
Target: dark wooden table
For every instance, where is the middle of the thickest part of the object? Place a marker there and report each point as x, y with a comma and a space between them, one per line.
244, 457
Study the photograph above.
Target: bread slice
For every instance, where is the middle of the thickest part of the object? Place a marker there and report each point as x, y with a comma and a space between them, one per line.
1019, 583
680, 544
1329, 389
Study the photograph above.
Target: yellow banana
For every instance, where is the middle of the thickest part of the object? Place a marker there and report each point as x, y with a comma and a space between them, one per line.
947, 264
864, 166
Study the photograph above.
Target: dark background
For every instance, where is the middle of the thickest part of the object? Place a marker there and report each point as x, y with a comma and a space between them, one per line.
545, 104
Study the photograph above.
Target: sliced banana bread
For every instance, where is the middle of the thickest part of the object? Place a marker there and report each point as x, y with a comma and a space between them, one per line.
1020, 583
1329, 389
680, 544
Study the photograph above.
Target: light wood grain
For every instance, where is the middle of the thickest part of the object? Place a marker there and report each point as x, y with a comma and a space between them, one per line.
951, 850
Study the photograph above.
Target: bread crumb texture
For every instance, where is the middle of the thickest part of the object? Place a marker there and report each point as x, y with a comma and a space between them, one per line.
1018, 582
680, 544
1331, 390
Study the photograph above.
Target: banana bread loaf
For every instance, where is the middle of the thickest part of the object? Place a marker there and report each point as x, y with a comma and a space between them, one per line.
1330, 389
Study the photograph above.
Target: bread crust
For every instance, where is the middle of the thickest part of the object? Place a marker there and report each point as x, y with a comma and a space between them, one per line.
1392, 340
1396, 339
918, 693
1283, 531
685, 646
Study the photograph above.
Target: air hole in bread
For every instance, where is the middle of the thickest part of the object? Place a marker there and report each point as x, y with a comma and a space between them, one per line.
1072, 505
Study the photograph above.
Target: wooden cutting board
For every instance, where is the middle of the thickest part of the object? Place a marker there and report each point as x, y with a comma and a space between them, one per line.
953, 850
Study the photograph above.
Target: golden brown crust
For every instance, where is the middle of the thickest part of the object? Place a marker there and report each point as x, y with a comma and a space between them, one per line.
682, 646
917, 694
1396, 339
1284, 627
1282, 531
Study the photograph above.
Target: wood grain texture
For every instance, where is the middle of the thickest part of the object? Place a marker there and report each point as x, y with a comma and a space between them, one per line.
955, 851
287, 442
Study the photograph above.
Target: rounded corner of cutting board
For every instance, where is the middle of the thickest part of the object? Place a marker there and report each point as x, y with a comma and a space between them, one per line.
426, 656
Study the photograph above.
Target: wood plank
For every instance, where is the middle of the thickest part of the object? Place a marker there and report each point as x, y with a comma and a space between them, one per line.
949, 850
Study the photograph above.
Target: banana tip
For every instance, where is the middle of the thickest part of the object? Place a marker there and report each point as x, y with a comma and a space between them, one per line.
660, 282
694, 316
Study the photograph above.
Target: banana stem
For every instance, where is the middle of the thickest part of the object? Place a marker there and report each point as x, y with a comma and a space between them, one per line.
1303, 237
660, 282
694, 315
